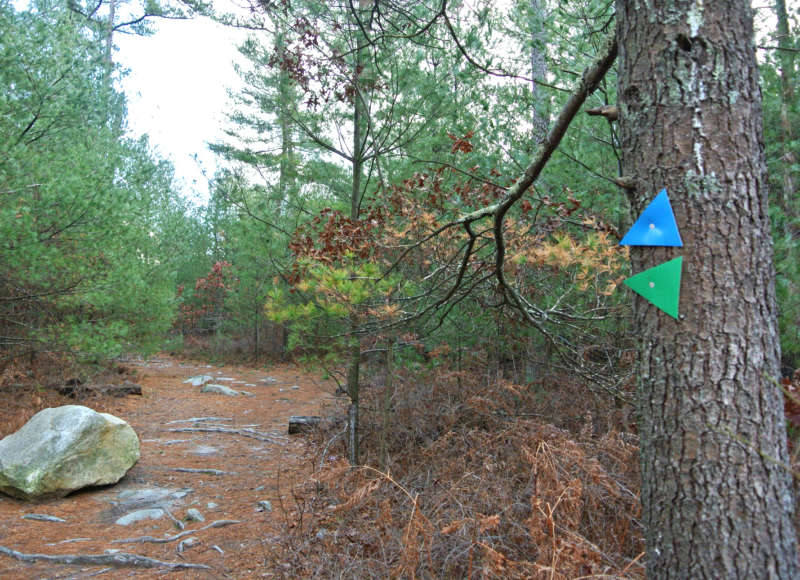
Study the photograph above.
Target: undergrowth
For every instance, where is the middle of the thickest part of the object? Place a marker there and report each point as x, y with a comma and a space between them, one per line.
462, 481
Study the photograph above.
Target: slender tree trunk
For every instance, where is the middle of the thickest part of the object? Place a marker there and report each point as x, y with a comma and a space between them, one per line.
786, 56
286, 169
538, 70
256, 331
353, 388
353, 391
388, 395
112, 15
716, 493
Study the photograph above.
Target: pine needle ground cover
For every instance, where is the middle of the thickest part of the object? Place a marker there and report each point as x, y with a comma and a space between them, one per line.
471, 486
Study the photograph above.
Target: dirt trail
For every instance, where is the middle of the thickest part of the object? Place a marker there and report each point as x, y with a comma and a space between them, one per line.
256, 469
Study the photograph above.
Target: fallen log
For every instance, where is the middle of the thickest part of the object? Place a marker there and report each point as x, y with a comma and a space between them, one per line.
76, 389
300, 423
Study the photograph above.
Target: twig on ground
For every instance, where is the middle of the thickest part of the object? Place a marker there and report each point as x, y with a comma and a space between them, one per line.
154, 540
120, 560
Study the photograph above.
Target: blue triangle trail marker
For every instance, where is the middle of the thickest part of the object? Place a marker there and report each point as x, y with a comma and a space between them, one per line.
656, 226
660, 285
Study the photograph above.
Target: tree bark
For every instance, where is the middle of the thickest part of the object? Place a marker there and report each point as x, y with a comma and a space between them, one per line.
716, 494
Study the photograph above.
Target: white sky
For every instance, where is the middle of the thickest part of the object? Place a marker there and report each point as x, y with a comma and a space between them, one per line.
177, 92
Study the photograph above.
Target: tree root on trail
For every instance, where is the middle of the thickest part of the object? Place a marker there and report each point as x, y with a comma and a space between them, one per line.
207, 471
154, 540
199, 419
120, 560
175, 520
243, 432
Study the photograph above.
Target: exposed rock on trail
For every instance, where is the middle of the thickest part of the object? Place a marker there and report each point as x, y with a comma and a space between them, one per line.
216, 455
219, 390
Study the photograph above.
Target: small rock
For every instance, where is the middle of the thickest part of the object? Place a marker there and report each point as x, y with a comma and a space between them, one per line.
112, 551
219, 389
141, 498
199, 380
204, 450
264, 506
42, 518
194, 515
322, 533
211, 505
295, 387
140, 515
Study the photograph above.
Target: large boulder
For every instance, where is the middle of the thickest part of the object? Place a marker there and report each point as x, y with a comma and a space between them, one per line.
63, 449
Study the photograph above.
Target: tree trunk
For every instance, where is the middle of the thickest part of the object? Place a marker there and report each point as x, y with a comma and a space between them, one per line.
353, 391
359, 112
538, 70
786, 56
256, 332
388, 395
286, 177
112, 14
716, 494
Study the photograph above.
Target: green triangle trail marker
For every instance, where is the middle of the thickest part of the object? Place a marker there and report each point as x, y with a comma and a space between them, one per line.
660, 285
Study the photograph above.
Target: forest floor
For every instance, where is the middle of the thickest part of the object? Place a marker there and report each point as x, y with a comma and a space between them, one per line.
241, 471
